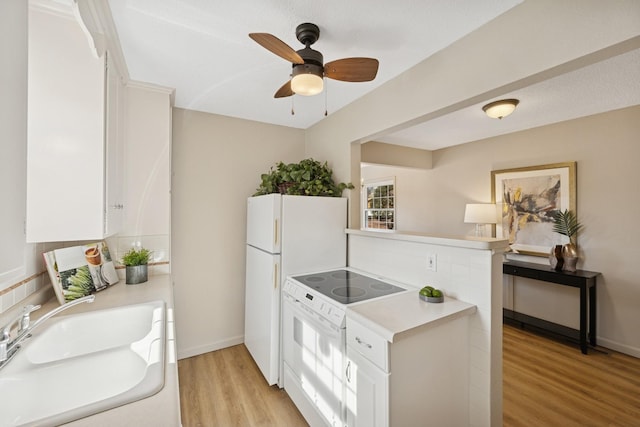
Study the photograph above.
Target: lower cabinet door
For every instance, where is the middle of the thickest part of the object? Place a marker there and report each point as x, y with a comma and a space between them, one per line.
367, 392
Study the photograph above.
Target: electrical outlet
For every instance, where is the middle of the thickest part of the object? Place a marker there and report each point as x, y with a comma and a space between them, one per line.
432, 262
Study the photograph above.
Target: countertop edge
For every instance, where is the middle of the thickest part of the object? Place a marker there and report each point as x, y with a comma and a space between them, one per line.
469, 242
393, 334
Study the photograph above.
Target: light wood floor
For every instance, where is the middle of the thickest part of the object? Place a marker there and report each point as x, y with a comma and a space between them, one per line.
225, 388
546, 384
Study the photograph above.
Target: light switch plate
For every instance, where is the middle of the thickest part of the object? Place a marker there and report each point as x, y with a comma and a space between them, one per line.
432, 261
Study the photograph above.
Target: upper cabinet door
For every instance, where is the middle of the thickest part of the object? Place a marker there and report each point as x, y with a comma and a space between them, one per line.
67, 155
114, 150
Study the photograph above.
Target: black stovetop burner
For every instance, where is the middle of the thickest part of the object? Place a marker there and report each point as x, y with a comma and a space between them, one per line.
346, 286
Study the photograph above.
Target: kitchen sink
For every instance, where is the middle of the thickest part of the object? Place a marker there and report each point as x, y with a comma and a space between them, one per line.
85, 363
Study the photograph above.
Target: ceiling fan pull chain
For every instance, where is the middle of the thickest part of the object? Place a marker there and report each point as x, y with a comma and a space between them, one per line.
326, 89
293, 113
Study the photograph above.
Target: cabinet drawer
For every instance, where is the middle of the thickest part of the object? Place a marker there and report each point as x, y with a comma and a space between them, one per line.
368, 343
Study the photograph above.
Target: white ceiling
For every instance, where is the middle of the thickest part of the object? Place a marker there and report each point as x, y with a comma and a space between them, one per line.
202, 49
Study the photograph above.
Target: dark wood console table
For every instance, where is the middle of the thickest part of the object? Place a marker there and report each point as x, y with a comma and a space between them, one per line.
584, 280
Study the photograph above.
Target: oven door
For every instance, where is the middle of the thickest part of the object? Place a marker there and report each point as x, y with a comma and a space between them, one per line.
314, 354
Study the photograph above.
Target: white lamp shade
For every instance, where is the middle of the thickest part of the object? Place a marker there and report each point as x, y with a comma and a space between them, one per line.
306, 84
481, 213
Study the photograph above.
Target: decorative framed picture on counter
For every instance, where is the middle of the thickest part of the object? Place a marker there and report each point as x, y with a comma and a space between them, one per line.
529, 198
78, 271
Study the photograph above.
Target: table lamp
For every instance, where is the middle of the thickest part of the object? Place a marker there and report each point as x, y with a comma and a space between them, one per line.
480, 214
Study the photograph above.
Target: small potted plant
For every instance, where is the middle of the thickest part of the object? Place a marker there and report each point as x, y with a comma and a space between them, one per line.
136, 263
566, 223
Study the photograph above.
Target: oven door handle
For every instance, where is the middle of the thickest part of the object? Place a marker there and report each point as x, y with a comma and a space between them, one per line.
314, 318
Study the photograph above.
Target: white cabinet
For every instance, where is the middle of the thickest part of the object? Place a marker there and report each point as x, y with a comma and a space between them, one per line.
13, 119
114, 161
421, 378
74, 134
367, 392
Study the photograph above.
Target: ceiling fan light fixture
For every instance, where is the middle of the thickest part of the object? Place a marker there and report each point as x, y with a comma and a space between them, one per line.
309, 69
307, 80
501, 108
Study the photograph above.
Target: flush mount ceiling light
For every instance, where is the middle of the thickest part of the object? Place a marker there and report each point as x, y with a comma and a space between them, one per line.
501, 108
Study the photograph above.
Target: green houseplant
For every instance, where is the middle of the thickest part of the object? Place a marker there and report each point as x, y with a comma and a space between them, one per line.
566, 223
136, 264
307, 178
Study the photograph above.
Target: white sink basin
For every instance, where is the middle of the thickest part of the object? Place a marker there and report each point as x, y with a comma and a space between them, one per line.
86, 363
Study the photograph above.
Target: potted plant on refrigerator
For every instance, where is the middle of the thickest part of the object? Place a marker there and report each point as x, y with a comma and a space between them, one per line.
136, 263
307, 178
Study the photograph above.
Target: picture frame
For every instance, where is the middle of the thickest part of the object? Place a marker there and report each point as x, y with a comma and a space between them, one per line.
527, 199
78, 271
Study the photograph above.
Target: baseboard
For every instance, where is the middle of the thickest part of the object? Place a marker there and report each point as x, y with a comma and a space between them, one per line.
620, 348
564, 332
206, 348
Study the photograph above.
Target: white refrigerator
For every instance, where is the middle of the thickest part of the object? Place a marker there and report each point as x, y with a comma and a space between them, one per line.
285, 235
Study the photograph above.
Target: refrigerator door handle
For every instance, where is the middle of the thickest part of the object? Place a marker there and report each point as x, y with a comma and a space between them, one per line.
275, 232
275, 276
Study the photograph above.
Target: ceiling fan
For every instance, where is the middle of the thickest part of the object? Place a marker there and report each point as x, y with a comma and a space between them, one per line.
308, 67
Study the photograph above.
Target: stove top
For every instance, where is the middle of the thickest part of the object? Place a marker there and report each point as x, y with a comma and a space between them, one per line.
346, 287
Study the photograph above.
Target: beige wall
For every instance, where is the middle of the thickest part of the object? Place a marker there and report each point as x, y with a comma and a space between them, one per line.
388, 154
546, 38
549, 38
217, 162
413, 209
606, 150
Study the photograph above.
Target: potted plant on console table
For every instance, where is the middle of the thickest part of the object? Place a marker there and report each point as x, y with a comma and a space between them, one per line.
566, 223
136, 262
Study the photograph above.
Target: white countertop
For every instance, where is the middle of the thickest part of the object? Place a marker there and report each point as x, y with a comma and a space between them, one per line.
163, 408
391, 316
469, 242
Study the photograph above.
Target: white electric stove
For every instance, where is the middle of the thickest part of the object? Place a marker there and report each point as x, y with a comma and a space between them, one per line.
314, 337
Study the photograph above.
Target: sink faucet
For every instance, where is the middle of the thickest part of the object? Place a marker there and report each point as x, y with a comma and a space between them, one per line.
9, 348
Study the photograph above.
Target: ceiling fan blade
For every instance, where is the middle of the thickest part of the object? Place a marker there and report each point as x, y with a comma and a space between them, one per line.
352, 69
277, 46
284, 91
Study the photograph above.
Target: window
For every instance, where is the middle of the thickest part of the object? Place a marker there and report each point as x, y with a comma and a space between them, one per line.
379, 205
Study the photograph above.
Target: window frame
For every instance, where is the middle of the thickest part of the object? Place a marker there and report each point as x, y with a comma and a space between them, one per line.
374, 183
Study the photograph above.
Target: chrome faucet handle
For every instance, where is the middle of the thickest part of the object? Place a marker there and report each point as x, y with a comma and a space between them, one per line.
3, 348
25, 319
5, 336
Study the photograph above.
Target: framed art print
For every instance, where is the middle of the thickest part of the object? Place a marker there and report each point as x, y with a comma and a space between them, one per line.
529, 198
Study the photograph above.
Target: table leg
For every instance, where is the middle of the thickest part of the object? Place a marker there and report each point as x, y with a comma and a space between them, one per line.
583, 319
592, 314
